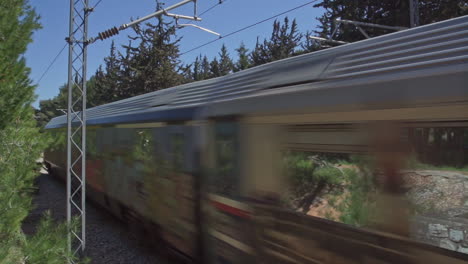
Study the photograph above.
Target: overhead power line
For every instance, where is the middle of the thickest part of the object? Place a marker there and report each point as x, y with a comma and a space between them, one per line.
60, 52
98, 2
52, 63
209, 9
249, 26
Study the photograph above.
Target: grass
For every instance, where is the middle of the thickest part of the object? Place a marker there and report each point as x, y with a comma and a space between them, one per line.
414, 163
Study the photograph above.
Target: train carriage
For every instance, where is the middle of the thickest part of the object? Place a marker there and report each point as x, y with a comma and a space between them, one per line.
203, 164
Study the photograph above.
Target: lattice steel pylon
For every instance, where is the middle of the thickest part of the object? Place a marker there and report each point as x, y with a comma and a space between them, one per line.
76, 125
76, 112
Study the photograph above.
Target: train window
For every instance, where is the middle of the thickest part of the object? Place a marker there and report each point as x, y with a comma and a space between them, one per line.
435, 177
329, 173
144, 145
177, 145
331, 185
224, 178
412, 181
91, 150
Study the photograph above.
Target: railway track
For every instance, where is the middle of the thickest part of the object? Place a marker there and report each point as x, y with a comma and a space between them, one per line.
108, 240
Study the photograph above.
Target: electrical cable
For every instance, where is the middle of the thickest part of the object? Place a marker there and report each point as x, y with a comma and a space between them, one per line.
249, 26
52, 63
209, 9
60, 52
97, 4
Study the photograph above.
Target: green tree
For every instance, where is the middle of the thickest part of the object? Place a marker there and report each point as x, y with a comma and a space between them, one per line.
243, 61
384, 12
308, 45
259, 55
226, 66
154, 63
215, 70
107, 81
196, 74
20, 145
57, 106
205, 68
17, 21
283, 43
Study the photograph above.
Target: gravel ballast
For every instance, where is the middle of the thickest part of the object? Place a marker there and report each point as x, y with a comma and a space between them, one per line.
108, 240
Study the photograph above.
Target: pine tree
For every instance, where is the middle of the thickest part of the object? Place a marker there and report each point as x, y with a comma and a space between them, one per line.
107, 82
154, 63
308, 45
384, 12
243, 61
197, 71
185, 70
21, 144
226, 66
284, 40
259, 54
205, 69
215, 70
283, 43
56, 106
126, 73
17, 22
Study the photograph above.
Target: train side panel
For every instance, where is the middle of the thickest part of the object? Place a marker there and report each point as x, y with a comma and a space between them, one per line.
144, 176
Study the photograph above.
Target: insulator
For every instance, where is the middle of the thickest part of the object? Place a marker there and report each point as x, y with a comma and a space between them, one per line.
108, 33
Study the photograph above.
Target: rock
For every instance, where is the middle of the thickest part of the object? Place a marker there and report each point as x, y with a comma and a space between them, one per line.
438, 230
447, 244
456, 235
465, 185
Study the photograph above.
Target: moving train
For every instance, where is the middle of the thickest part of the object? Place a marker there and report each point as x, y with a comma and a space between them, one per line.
198, 168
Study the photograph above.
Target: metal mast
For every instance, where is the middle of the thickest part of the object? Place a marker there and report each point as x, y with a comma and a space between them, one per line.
76, 125
76, 112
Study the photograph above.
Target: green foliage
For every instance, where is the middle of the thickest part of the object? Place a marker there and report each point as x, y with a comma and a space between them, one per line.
350, 191
56, 106
21, 144
283, 43
151, 65
107, 81
17, 23
226, 66
413, 163
214, 69
309, 174
48, 244
358, 205
384, 12
243, 62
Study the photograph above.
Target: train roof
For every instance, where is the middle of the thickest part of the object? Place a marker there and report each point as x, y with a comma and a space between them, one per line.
408, 65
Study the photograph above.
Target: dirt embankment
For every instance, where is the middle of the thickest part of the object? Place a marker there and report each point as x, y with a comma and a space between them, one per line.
427, 191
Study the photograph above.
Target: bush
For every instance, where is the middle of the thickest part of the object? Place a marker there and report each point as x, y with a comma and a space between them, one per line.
21, 145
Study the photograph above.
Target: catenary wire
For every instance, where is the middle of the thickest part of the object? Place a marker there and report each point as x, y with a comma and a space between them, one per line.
98, 2
52, 63
60, 52
247, 27
212, 7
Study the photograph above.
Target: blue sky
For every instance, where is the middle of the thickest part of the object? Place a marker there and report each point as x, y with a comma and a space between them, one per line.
225, 18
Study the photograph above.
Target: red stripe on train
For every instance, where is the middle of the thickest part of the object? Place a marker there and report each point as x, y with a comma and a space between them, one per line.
230, 209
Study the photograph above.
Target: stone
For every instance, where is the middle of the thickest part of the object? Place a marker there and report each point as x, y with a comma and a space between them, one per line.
438, 230
465, 184
447, 244
456, 235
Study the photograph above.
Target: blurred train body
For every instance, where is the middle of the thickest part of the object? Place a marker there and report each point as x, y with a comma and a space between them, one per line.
198, 168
